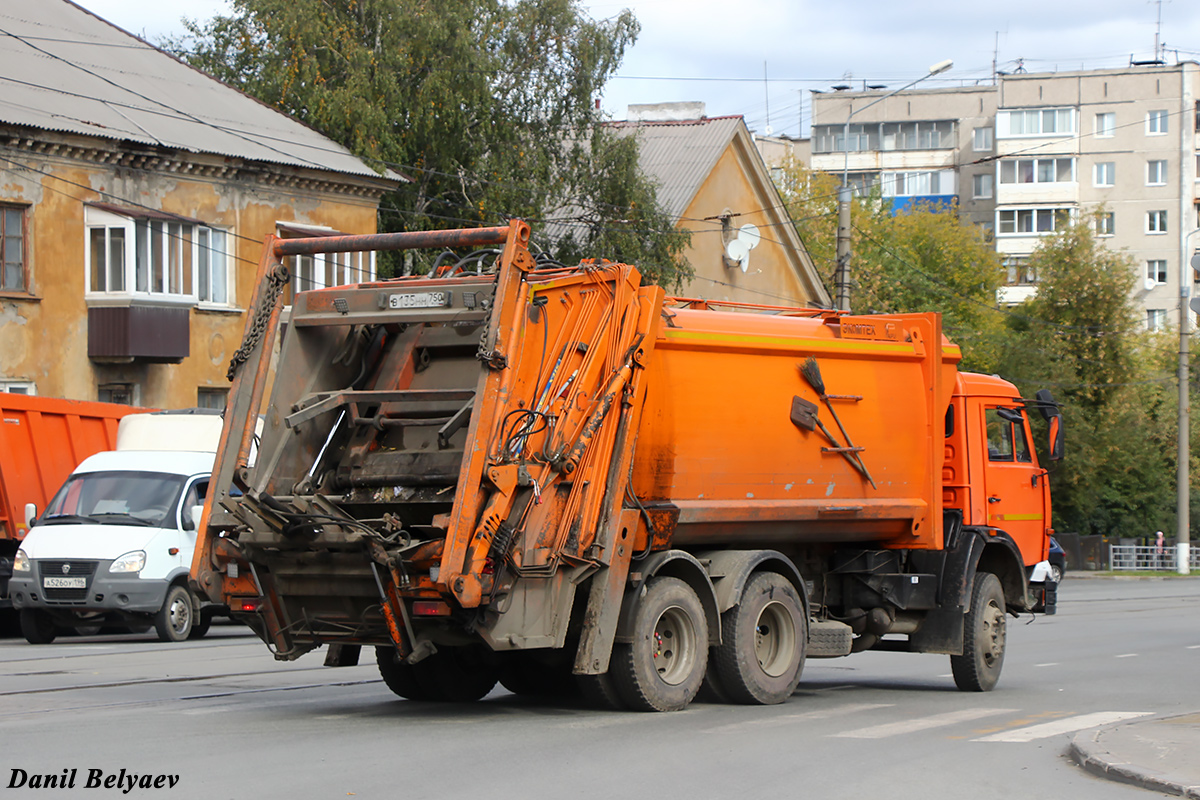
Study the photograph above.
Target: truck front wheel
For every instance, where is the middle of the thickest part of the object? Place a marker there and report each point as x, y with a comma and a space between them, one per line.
664, 666
763, 637
984, 637
173, 622
37, 627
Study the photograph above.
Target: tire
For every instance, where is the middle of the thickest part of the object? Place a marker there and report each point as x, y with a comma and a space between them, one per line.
712, 690
88, 630
532, 674
174, 620
401, 678
37, 627
600, 692
458, 674
663, 668
1056, 573
201, 625
984, 637
762, 653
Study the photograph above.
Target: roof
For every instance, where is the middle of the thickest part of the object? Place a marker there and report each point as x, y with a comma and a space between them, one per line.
679, 155
64, 69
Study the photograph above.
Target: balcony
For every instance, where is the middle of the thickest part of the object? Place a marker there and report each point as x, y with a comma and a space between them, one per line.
148, 333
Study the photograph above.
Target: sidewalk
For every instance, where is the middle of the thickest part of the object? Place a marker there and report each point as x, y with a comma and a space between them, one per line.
1160, 753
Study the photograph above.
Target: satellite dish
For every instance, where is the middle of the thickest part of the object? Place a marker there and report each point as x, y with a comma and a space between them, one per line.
739, 252
749, 234
1150, 283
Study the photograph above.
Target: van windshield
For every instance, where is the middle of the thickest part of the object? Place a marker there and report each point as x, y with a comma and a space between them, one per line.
116, 498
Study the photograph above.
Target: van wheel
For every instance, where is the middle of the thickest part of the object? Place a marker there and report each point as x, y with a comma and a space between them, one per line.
763, 638
662, 669
984, 637
37, 627
173, 622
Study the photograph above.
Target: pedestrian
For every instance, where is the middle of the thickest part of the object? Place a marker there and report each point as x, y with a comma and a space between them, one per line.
1158, 549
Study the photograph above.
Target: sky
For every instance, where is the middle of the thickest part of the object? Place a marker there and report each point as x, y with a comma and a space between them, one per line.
760, 58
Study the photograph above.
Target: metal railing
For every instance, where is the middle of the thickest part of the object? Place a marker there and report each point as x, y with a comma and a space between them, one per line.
1143, 557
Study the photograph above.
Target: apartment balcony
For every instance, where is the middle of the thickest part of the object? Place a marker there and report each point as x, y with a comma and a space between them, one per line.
149, 333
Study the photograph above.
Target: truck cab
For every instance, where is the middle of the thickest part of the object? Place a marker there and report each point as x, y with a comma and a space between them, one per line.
114, 545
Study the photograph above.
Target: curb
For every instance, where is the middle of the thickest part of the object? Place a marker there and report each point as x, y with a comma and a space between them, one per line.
1088, 753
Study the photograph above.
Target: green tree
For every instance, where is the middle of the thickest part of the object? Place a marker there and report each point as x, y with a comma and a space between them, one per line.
486, 105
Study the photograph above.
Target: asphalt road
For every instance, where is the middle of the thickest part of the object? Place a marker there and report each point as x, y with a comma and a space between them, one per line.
225, 720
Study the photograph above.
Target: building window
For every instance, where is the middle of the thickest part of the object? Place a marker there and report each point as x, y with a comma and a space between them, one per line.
1156, 173
1025, 221
1156, 319
1105, 224
982, 185
987, 230
840, 138
1017, 271
18, 387
1106, 173
1106, 125
323, 270
155, 254
1156, 270
983, 139
12, 249
208, 397
1035, 122
1156, 123
123, 393
1037, 170
1156, 222
917, 184
872, 136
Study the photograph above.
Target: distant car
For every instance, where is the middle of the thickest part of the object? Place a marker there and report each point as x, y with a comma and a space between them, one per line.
1058, 561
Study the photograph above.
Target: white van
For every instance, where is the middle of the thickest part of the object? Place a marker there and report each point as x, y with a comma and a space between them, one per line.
115, 545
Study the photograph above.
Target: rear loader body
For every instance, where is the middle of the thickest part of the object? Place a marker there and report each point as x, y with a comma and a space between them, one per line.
555, 476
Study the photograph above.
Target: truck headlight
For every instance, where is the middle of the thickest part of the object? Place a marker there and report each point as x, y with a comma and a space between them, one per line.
21, 562
130, 562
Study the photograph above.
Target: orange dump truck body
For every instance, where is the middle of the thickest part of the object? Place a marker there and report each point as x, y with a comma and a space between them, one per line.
535, 472
42, 439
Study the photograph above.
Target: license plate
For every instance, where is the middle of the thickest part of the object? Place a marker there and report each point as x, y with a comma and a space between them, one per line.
419, 300
64, 583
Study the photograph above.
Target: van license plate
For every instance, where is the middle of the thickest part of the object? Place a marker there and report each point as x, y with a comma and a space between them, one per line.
64, 583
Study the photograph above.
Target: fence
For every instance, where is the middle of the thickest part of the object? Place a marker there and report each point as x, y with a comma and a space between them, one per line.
1139, 557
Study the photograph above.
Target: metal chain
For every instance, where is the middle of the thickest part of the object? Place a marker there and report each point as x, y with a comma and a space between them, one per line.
277, 281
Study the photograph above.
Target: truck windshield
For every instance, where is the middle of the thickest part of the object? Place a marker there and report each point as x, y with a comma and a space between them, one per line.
116, 498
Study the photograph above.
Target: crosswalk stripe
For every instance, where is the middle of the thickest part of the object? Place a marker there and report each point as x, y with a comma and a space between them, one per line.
923, 723
803, 716
1059, 726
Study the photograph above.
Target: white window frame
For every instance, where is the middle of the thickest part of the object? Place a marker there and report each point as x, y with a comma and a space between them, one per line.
160, 258
1156, 270
1026, 123
1158, 122
983, 139
1106, 224
1034, 217
1034, 166
983, 186
1156, 172
1104, 174
1106, 124
1156, 223
18, 387
1156, 319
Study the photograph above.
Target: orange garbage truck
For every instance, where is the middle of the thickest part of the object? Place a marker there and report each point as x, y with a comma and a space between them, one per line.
560, 479
42, 439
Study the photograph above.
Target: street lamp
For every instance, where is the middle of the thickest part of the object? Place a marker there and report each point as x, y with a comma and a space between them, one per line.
843, 243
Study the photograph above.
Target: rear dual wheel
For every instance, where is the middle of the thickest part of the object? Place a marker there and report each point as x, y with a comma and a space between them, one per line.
451, 675
662, 669
763, 641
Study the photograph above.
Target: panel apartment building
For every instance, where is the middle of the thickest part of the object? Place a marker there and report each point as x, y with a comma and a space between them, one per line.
1023, 156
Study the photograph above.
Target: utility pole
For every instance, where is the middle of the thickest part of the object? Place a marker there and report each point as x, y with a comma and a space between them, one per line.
842, 278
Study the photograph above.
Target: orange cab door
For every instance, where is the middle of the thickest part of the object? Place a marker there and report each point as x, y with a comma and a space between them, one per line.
1014, 485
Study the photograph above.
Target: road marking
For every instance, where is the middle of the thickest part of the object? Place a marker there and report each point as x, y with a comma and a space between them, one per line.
1048, 664
1068, 725
785, 719
922, 723
1127, 655
1193, 647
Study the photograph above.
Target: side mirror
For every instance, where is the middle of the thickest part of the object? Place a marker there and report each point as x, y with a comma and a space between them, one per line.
1054, 421
30, 513
191, 520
